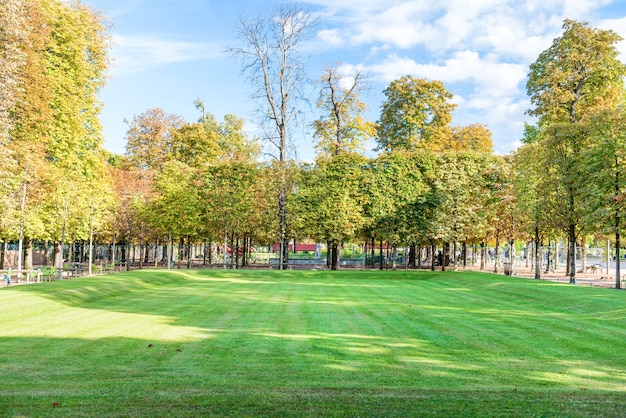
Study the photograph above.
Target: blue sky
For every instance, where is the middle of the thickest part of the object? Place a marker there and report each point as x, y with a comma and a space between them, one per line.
167, 53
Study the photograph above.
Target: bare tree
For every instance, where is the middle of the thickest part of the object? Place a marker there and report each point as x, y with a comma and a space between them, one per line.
270, 54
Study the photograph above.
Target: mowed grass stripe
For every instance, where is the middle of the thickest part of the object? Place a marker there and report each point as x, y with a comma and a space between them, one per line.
335, 343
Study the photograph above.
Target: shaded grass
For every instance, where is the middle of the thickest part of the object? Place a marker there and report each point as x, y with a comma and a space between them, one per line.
260, 343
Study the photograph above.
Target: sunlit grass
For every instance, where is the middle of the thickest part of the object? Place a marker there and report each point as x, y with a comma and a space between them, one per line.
255, 343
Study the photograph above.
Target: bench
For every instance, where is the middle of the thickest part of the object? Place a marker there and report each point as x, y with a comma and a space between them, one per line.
594, 268
76, 270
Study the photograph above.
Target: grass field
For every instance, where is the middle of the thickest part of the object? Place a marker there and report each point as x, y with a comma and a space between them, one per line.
305, 343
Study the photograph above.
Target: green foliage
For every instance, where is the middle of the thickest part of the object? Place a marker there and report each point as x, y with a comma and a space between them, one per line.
149, 143
465, 183
330, 198
398, 184
416, 114
606, 159
175, 208
343, 127
54, 134
580, 73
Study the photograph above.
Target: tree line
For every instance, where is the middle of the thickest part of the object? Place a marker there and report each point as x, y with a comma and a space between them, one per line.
432, 184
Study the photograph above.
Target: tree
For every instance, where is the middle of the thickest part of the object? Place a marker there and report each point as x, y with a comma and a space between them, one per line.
343, 127
577, 76
225, 141
397, 188
234, 143
474, 137
149, 138
332, 217
133, 189
270, 56
533, 196
13, 37
607, 161
416, 114
54, 126
195, 145
175, 208
581, 72
464, 185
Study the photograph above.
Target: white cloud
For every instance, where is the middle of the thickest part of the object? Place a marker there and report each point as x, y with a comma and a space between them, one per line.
481, 47
330, 37
133, 54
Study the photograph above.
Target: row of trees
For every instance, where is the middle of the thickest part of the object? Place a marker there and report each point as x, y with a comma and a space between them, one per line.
53, 61
432, 184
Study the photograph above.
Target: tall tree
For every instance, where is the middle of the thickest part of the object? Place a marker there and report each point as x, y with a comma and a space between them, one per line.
533, 196
416, 114
235, 145
270, 54
332, 217
577, 76
608, 171
342, 127
54, 119
397, 186
228, 136
149, 137
14, 33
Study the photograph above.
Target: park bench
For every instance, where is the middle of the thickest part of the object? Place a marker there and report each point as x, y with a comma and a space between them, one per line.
594, 268
76, 269
109, 267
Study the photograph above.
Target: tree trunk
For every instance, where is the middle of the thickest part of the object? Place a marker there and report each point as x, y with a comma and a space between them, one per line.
454, 249
282, 215
464, 254
3, 253
583, 254
58, 256
537, 249
572, 251
419, 256
412, 252
333, 255
147, 254
617, 261
382, 264
608, 257
141, 250
189, 252
495, 265
432, 255
237, 252
28, 253
483, 254
444, 257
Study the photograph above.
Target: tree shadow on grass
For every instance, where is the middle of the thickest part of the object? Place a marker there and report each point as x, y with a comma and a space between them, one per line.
240, 335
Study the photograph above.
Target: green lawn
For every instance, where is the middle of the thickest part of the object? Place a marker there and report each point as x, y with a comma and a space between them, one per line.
306, 343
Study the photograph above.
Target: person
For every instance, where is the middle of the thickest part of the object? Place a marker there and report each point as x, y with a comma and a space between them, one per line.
7, 277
